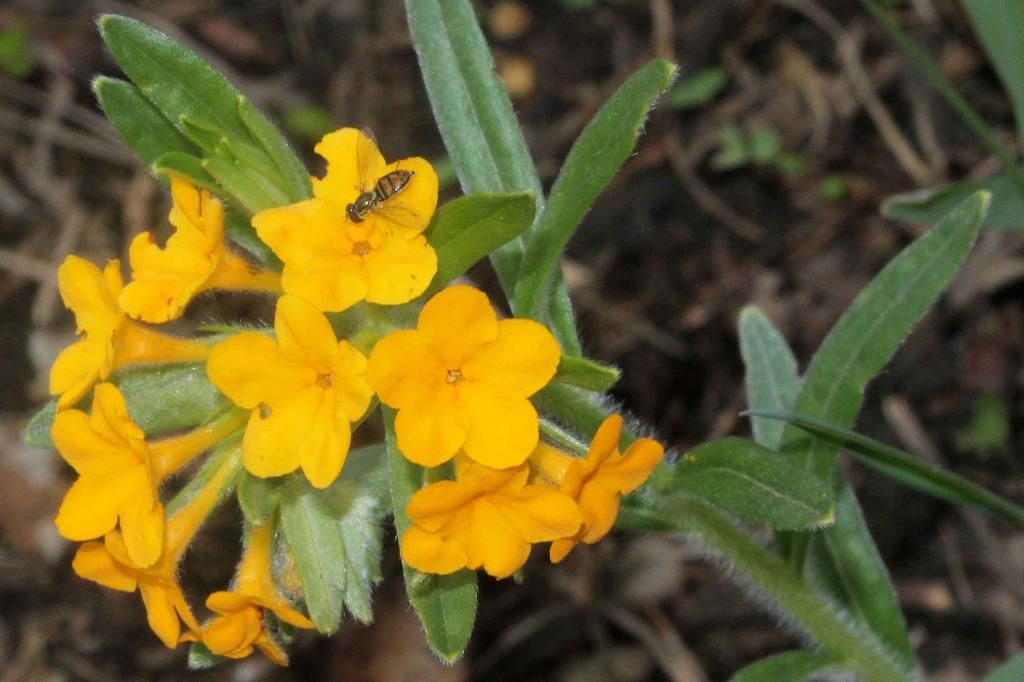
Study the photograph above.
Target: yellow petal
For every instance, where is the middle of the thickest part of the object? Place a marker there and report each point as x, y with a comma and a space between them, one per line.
456, 322
354, 164
432, 553
93, 562
91, 294
501, 429
606, 441
430, 431
90, 508
275, 434
249, 369
110, 416
599, 504
399, 269
142, 526
407, 213
271, 649
86, 450
160, 613
164, 279
329, 284
493, 543
78, 367
233, 635
402, 370
352, 391
435, 505
523, 358
561, 548
295, 232
540, 514
303, 334
323, 451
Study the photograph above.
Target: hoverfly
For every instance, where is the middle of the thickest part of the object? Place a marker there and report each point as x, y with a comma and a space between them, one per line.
375, 193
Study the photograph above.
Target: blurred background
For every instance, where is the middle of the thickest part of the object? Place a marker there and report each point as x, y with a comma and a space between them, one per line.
758, 181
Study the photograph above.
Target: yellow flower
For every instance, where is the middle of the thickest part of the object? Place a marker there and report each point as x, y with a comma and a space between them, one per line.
109, 564
239, 625
485, 518
109, 340
195, 259
119, 473
304, 391
597, 482
334, 262
462, 379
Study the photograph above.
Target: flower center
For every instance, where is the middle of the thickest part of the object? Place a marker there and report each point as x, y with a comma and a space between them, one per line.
453, 377
361, 248
325, 381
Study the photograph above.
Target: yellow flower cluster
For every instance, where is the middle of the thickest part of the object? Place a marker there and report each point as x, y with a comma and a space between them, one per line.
460, 381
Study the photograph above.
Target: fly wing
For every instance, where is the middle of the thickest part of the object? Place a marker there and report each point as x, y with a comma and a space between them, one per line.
366, 151
401, 217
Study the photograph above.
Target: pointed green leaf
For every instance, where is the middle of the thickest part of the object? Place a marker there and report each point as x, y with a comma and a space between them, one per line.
931, 204
906, 468
791, 666
37, 432
874, 326
753, 483
468, 229
479, 127
146, 130
254, 192
445, 604
586, 374
771, 378
201, 658
336, 537
697, 90
595, 157
289, 167
169, 398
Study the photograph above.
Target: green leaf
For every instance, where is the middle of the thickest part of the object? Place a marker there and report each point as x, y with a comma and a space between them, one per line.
586, 374
906, 468
252, 190
201, 658
37, 432
772, 380
311, 529
336, 536
445, 604
595, 157
239, 228
172, 77
289, 167
169, 398
146, 130
1010, 671
472, 109
259, 497
466, 230
931, 204
999, 25
753, 483
479, 127
697, 90
874, 326
791, 666
188, 166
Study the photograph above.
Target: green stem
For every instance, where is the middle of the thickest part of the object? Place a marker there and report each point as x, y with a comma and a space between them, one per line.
858, 650
948, 91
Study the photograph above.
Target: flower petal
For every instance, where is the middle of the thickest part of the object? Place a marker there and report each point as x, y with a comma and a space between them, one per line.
91, 294
354, 164
522, 359
501, 429
297, 231
430, 431
456, 322
399, 269
86, 450
160, 613
303, 334
540, 514
431, 552
494, 543
93, 562
351, 389
323, 451
249, 369
77, 368
89, 509
273, 440
433, 506
142, 526
403, 370
330, 284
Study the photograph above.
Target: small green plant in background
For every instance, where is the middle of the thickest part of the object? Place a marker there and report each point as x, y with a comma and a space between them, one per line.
529, 451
